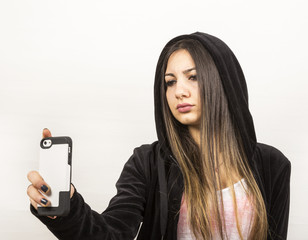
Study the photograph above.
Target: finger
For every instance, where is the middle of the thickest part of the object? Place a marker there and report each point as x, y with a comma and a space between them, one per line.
36, 197
72, 190
33, 203
46, 133
38, 182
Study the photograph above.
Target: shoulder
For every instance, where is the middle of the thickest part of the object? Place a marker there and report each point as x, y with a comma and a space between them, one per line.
271, 160
271, 154
144, 157
146, 149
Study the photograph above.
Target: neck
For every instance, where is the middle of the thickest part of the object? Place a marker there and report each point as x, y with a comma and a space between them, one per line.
195, 133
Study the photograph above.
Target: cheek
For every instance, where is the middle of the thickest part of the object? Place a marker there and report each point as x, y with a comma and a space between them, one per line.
168, 97
170, 102
197, 94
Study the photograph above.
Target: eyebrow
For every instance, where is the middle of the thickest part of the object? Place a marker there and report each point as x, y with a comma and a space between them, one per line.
185, 72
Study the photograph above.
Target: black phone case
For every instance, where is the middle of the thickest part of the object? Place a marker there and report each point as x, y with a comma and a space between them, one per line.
56, 168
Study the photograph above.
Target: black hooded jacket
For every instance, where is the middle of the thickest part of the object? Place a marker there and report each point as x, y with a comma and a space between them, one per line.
150, 187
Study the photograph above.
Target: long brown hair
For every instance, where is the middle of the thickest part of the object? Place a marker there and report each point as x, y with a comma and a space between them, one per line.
220, 141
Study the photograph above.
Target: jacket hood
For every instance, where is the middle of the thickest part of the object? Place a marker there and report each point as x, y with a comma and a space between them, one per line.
235, 88
233, 82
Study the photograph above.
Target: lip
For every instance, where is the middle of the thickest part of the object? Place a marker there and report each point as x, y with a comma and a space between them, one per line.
184, 107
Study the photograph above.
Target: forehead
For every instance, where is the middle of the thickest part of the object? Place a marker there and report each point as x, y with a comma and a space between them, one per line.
180, 60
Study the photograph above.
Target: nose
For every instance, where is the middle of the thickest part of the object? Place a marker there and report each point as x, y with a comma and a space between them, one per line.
181, 90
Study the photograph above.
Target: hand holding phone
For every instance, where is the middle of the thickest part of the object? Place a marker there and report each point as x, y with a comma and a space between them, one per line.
55, 166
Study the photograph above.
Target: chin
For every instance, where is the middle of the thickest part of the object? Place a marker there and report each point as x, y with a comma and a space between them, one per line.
189, 122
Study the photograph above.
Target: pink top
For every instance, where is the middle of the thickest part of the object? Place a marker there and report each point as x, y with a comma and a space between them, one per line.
245, 214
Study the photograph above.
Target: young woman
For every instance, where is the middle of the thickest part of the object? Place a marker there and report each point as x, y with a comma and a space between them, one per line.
206, 177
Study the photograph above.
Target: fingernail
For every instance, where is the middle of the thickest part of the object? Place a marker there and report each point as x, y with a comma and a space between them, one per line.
44, 188
44, 201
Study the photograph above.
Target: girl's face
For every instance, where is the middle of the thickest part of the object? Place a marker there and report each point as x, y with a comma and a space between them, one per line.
182, 88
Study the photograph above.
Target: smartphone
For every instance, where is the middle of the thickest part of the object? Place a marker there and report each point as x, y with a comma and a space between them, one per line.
55, 167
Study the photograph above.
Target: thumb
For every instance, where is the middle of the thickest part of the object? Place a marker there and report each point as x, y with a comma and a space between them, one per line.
46, 133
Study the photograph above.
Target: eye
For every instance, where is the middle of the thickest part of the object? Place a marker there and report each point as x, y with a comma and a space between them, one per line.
170, 83
193, 77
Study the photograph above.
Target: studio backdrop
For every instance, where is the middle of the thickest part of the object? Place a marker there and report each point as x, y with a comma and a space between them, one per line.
85, 69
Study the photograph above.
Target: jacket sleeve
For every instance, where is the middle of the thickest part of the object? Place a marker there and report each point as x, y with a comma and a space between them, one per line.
120, 220
280, 201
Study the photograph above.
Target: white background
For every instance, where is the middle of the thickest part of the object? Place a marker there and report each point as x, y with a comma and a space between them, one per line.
86, 69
